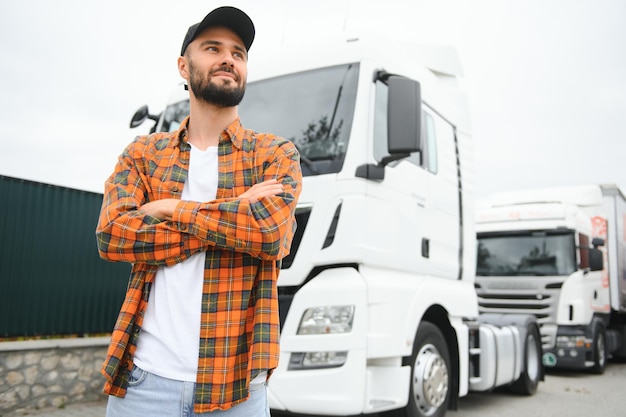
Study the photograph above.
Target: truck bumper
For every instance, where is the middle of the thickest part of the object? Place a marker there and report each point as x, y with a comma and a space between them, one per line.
566, 358
351, 389
573, 350
330, 373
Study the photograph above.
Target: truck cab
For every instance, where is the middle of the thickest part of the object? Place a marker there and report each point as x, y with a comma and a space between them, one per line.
542, 252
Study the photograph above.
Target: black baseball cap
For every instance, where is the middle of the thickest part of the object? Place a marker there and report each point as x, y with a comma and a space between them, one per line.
228, 17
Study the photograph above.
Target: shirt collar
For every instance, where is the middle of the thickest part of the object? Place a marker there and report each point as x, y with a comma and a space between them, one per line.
234, 133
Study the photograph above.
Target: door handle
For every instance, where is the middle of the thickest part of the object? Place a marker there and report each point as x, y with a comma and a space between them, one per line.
425, 247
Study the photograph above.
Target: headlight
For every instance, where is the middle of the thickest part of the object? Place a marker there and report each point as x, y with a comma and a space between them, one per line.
571, 341
326, 320
317, 360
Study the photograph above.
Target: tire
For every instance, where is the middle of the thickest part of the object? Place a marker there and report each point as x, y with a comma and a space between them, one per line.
532, 373
599, 349
429, 392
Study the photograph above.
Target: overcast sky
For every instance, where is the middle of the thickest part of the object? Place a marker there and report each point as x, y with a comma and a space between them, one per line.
546, 79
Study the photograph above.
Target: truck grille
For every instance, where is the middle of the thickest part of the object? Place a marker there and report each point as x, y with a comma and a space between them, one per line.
540, 302
525, 304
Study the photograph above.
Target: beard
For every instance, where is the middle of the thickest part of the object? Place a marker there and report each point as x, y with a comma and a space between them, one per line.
224, 95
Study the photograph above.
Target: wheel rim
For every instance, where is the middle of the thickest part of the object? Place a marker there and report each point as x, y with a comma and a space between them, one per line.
533, 358
430, 380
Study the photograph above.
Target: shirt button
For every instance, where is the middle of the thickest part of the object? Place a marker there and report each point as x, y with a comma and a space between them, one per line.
175, 189
183, 227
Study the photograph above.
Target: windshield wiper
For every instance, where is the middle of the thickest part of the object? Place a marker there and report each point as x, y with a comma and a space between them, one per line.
332, 119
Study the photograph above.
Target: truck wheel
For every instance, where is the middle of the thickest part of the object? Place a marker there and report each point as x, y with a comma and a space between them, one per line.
533, 367
599, 349
429, 392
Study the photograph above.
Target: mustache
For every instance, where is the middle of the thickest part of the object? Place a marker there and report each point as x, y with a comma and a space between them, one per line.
225, 68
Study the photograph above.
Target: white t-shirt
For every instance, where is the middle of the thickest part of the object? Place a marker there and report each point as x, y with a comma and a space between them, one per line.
170, 334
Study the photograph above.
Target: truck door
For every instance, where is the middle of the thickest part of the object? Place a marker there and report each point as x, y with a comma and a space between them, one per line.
440, 164
403, 196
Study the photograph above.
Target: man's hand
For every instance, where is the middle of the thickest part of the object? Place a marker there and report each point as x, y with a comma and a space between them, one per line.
263, 189
161, 209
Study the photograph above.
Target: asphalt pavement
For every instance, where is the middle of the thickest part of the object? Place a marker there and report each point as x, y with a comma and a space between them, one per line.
562, 394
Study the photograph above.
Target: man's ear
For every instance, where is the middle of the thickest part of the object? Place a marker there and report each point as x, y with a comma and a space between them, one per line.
183, 67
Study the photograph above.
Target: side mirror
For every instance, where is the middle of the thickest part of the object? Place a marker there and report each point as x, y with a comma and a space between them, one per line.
596, 259
404, 123
141, 115
404, 115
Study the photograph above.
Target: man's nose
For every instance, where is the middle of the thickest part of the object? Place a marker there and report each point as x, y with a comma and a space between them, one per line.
227, 59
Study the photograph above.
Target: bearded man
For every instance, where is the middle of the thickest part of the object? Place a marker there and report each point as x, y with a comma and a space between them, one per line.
204, 215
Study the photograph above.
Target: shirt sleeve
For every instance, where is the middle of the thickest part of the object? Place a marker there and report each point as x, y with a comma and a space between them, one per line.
263, 229
126, 233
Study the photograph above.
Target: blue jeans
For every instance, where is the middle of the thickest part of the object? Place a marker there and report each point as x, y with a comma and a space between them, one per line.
155, 396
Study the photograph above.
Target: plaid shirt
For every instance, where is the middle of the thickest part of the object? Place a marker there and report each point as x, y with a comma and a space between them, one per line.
239, 334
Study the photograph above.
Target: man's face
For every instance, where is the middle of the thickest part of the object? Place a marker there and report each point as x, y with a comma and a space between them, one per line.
217, 67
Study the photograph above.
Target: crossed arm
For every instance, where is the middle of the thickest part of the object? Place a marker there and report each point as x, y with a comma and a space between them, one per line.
164, 209
167, 231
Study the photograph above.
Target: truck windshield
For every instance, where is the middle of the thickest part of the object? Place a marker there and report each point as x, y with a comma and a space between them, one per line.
314, 109
534, 253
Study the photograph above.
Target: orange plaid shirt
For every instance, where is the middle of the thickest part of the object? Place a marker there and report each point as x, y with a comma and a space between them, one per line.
239, 333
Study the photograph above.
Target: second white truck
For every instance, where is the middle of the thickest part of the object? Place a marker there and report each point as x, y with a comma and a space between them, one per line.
560, 254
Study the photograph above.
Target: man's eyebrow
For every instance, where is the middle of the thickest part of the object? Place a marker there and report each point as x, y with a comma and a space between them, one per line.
210, 42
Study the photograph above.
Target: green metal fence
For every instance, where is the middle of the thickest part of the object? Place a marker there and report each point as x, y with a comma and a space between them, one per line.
52, 281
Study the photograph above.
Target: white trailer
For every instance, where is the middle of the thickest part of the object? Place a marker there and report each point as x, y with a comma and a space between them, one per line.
377, 301
559, 253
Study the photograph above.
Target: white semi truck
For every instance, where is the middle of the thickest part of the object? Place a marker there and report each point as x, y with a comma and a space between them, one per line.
377, 302
560, 254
